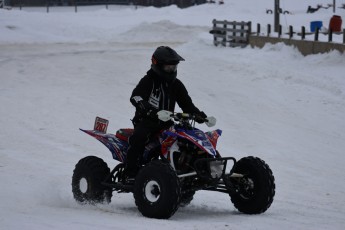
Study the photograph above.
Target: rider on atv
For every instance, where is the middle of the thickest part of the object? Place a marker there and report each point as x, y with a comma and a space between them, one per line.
158, 90
180, 161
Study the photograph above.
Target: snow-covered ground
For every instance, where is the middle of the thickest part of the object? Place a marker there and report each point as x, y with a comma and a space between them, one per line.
58, 71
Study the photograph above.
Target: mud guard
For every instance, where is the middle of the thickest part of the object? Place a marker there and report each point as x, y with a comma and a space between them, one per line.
117, 147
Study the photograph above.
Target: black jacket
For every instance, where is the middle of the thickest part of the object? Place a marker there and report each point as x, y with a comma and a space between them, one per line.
162, 95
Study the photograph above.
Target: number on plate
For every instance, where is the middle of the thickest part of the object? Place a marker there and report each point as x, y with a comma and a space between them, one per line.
101, 125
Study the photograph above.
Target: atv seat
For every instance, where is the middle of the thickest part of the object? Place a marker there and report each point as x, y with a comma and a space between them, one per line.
124, 134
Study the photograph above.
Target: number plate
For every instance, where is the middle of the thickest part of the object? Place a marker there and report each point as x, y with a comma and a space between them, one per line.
101, 125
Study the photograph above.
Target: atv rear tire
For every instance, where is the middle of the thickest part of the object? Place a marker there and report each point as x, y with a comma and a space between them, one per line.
87, 177
157, 190
256, 189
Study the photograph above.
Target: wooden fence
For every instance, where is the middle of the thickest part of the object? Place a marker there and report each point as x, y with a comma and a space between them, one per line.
239, 34
235, 34
302, 34
231, 33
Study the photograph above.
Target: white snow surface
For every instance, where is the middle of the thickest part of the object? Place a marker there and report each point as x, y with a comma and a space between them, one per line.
59, 70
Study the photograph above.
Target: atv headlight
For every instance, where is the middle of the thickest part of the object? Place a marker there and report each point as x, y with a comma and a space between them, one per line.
216, 169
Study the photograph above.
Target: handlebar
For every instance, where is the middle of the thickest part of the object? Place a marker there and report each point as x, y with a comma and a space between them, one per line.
188, 116
165, 115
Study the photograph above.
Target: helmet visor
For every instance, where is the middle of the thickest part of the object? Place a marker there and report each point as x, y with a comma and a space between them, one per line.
169, 68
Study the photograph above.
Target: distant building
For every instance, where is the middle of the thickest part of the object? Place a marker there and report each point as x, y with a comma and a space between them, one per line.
156, 3
161, 3
4, 3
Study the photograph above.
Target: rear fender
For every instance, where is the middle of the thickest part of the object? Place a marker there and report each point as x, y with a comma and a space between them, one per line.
117, 147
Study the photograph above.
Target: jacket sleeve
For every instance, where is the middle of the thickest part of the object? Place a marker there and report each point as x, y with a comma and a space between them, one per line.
141, 93
184, 100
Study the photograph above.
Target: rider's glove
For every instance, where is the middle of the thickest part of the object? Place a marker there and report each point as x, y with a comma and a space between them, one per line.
152, 113
200, 117
142, 106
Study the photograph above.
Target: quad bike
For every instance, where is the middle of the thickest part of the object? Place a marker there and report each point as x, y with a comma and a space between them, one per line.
178, 162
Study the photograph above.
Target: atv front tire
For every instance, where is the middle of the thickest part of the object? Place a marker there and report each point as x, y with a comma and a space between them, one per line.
157, 190
186, 198
255, 191
87, 177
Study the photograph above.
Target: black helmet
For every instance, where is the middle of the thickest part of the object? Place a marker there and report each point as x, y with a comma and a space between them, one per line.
164, 63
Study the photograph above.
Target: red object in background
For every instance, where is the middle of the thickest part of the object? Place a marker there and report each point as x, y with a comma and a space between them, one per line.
335, 23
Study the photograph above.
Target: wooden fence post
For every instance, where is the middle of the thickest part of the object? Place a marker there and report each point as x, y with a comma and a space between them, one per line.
249, 31
316, 38
290, 32
214, 37
258, 28
280, 31
330, 34
224, 39
303, 33
234, 31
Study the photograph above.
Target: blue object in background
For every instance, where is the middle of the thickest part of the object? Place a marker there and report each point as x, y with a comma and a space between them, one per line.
314, 25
